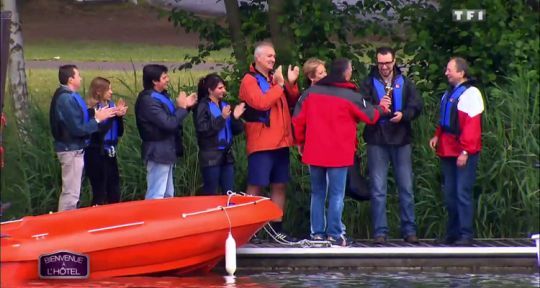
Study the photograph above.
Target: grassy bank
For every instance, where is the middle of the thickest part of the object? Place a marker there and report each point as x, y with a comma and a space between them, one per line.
114, 51
506, 193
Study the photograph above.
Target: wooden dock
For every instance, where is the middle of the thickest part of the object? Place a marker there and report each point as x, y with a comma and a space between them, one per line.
484, 255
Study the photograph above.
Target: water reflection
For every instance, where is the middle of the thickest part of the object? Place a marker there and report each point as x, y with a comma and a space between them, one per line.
315, 279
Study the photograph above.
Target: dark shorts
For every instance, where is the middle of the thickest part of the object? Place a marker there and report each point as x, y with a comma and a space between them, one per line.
266, 167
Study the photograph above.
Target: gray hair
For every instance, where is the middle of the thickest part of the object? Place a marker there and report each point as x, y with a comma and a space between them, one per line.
260, 45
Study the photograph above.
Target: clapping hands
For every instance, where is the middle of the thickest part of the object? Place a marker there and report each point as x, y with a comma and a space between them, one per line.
239, 110
121, 108
292, 74
278, 76
184, 101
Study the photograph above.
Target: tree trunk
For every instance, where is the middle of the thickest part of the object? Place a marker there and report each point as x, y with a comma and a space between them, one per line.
16, 68
281, 37
238, 40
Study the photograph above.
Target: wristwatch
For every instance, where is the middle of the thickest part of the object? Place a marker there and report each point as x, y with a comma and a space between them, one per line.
464, 153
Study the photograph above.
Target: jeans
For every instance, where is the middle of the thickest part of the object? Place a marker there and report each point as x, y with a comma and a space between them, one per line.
160, 180
327, 182
72, 163
458, 194
218, 176
379, 158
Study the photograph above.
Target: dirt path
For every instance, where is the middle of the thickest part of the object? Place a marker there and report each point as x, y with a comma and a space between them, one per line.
124, 22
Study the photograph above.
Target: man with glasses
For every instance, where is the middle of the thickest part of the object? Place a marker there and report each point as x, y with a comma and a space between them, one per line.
389, 141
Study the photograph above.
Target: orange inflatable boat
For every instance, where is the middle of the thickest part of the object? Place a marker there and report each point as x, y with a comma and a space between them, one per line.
174, 235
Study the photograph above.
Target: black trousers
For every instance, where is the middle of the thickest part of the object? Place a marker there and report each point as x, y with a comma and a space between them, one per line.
102, 171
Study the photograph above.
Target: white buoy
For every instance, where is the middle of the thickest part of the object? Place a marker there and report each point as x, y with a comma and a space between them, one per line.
230, 255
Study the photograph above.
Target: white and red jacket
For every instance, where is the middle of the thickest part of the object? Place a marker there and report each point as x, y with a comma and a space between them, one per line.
467, 126
325, 121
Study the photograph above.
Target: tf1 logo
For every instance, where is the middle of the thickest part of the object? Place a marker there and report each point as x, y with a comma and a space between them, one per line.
468, 15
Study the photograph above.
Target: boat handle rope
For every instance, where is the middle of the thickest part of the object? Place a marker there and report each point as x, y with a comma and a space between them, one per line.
115, 227
304, 243
219, 208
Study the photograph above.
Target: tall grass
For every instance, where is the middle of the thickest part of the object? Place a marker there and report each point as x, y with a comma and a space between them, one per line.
506, 191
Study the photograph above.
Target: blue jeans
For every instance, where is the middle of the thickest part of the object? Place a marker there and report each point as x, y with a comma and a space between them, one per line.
379, 158
332, 180
160, 180
217, 176
458, 195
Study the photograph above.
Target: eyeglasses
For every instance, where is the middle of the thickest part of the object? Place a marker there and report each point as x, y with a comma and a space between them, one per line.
385, 63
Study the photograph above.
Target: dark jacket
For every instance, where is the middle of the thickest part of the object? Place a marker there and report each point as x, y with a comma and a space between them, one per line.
386, 132
208, 128
160, 130
97, 139
70, 129
325, 121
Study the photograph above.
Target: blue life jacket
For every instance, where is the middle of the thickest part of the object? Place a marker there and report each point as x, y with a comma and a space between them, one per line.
397, 94
253, 115
165, 100
81, 103
448, 118
84, 108
111, 138
225, 134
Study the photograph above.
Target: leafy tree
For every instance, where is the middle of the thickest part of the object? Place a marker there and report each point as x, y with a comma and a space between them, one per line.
299, 30
504, 43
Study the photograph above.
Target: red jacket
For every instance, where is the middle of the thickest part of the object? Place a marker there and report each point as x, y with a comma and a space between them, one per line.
469, 114
278, 135
325, 121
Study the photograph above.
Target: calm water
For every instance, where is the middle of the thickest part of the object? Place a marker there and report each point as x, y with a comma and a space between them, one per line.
326, 279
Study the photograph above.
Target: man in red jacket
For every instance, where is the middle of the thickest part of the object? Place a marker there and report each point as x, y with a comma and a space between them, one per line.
324, 122
458, 142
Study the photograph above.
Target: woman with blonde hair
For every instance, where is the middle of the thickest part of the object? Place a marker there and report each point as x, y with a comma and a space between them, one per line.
100, 156
314, 70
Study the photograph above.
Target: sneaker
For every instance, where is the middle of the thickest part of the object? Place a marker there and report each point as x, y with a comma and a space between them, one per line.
341, 241
317, 237
379, 240
411, 239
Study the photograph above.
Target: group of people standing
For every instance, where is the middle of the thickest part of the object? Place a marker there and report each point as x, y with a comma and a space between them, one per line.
323, 126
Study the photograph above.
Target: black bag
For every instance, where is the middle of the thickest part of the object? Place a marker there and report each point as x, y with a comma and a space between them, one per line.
357, 186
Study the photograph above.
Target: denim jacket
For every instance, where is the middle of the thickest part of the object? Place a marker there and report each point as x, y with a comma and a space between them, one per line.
71, 131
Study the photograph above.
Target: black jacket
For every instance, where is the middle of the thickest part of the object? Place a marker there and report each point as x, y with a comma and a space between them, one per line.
160, 131
208, 128
388, 133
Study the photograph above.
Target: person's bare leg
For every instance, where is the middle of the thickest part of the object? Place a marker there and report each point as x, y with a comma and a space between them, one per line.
254, 190
277, 193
